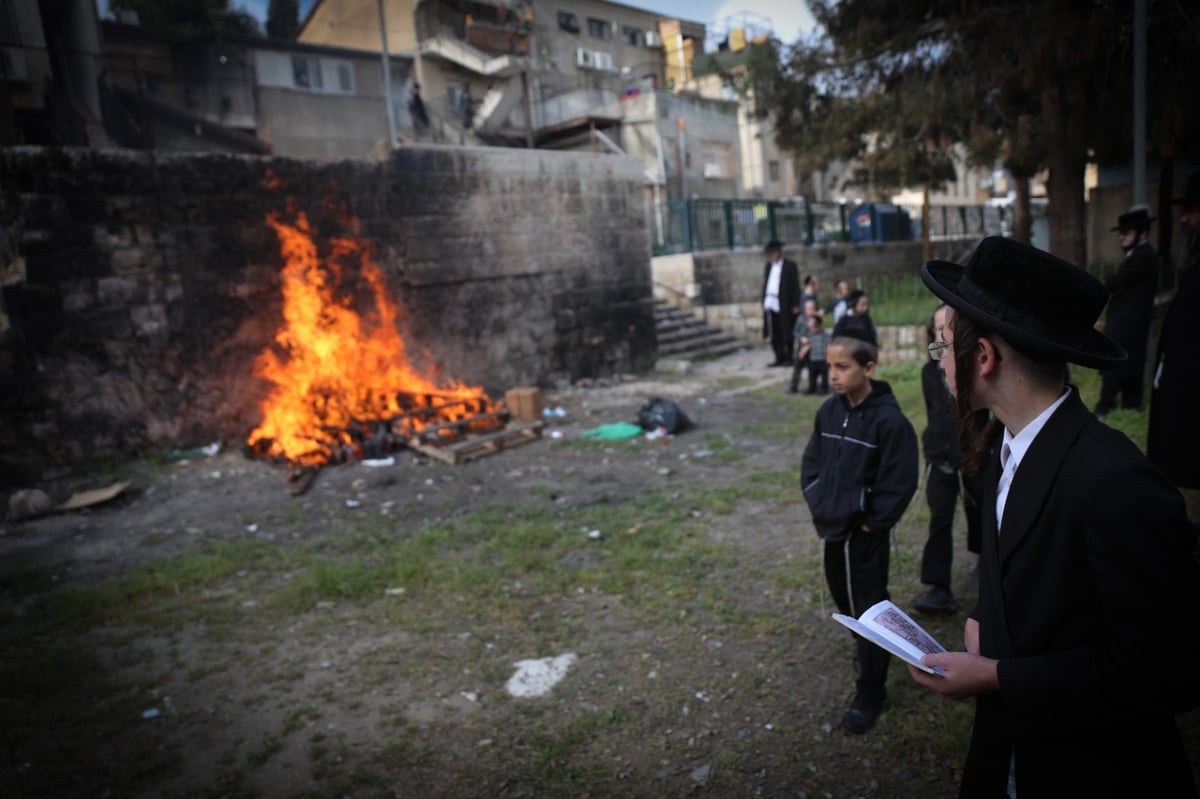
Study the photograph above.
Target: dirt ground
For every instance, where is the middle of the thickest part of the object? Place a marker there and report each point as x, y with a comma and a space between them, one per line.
731, 687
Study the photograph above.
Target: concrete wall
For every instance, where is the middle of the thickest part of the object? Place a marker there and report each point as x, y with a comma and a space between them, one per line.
140, 287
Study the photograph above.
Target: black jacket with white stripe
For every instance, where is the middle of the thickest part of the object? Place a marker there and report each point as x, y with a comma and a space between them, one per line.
860, 465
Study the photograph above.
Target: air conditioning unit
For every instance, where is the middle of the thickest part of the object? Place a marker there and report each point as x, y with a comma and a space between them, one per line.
583, 58
602, 60
653, 39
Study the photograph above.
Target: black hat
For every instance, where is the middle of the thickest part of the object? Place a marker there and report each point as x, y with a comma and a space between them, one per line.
1137, 218
1191, 191
773, 244
1044, 306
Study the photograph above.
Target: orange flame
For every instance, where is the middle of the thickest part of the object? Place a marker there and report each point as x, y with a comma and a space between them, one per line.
339, 369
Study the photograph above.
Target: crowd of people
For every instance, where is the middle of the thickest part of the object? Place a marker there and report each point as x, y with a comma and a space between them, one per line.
1087, 548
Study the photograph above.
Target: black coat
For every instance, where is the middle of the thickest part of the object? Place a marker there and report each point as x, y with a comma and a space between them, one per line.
860, 464
1131, 306
789, 296
1088, 599
1173, 441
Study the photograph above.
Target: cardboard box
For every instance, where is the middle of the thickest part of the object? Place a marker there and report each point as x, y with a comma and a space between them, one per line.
524, 403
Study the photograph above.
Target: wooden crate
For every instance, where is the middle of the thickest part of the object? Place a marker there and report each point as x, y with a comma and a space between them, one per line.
479, 445
524, 403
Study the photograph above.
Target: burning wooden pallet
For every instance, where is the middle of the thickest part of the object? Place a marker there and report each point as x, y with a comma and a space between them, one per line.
478, 445
471, 429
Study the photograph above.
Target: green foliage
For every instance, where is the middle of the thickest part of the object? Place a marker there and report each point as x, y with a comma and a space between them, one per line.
897, 85
283, 19
190, 16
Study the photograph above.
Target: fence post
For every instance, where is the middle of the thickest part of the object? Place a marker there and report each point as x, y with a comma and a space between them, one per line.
687, 225
808, 224
772, 233
727, 207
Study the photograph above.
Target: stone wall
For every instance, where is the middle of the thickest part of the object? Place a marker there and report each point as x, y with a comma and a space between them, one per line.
729, 282
138, 288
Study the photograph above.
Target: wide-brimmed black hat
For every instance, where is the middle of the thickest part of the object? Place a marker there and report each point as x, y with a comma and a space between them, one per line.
1137, 218
773, 244
1042, 305
1191, 191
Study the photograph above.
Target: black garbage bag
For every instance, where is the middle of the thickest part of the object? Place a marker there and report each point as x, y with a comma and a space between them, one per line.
658, 412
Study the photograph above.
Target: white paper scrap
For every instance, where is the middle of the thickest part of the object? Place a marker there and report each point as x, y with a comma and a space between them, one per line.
537, 677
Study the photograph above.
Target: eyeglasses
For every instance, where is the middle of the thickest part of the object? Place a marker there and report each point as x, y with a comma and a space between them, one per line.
938, 349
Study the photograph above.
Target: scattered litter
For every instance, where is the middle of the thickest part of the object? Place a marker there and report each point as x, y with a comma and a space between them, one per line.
352, 503
250, 603
658, 412
214, 475
556, 434
251, 528
548, 412
614, 431
768, 727
212, 449
593, 534
537, 677
94, 497
700, 774
484, 742
377, 462
664, 471
470, 696
656, 433
325, 664
428, 481
28, 503
151, 713
393, 591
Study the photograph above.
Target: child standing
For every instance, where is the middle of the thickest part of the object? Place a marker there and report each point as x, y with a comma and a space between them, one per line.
857, 317
814, 344
858, 475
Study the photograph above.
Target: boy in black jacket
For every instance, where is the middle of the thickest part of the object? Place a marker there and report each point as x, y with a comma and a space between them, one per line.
859, 473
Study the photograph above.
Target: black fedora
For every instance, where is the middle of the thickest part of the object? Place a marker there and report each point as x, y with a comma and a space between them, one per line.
1042, 305
773, 244
1191, 191
1137, 218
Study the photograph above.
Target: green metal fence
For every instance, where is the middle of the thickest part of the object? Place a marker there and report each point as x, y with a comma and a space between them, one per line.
705, 224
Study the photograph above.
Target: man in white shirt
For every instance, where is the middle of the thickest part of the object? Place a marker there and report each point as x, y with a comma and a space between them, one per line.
781, 302
1085, 568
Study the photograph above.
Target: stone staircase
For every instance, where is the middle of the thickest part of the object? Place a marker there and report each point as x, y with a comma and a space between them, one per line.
681, 336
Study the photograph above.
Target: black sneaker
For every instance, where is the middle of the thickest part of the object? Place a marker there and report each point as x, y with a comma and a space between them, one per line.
936, 600
861, 716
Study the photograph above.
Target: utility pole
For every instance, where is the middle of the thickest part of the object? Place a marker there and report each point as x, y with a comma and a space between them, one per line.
1139, 102
387, 77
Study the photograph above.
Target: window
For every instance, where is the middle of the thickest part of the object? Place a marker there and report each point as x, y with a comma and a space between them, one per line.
773, 171
306, 72
568, 22
599, 28
632, 36
345, 78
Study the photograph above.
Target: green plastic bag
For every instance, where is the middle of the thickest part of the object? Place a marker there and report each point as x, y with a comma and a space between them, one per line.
614, 432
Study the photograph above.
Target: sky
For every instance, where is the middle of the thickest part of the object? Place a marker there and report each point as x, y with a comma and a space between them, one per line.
789, 19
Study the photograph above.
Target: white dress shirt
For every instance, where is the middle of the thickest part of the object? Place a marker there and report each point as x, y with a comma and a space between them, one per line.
771, 297
1014, 449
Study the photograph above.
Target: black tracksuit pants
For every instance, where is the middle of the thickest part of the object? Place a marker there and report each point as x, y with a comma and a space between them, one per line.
857, 573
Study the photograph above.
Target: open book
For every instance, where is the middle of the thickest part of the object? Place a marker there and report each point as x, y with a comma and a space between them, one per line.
891, 628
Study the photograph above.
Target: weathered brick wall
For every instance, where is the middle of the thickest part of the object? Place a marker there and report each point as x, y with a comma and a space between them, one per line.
138, 288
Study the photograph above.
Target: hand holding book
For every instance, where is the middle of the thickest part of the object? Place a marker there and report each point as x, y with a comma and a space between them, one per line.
891, 628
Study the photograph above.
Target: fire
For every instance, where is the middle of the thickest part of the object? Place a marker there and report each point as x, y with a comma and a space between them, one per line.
343, 381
